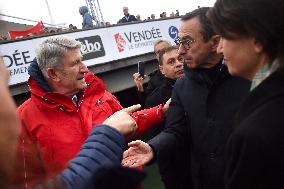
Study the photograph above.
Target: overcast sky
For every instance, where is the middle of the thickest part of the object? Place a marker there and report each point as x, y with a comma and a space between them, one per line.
66, 11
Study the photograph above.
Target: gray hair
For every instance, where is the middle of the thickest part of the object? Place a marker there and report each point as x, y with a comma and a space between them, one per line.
51, 52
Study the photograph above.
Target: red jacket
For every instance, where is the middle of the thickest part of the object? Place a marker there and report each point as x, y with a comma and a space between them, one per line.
53, 128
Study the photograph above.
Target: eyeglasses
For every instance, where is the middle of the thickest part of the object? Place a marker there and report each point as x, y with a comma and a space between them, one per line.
186, 43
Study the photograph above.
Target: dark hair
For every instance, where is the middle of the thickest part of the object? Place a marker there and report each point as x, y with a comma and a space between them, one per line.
164, 51
261, 19
161, 41
206, 27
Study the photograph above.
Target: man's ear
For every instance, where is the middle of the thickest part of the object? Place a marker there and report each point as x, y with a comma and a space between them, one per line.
215, 39
161, 69
52, 74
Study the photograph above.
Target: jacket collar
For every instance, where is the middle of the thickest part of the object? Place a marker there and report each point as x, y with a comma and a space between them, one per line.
36, 74
208, 76
54, 100
268, 89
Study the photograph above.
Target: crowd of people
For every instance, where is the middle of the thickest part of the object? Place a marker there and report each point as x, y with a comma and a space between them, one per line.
221, 129
88, 22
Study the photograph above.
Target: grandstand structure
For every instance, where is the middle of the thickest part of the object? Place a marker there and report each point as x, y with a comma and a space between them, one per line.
95, 10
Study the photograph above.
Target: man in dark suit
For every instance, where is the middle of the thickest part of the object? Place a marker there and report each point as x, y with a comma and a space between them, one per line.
127, 17
202, 110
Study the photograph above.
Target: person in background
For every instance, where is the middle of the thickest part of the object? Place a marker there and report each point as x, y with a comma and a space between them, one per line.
68, 101
127, 17
202, 110
3, 38
153, 16
156, 77
138, 17
177, 13
253, 47
171, 67
87, 18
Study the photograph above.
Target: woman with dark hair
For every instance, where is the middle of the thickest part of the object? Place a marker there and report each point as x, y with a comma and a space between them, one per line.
252, 42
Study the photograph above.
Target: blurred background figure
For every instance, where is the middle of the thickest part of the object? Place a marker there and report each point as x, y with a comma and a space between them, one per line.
138, 18
87, 18
72, 27
127, 17
177, 13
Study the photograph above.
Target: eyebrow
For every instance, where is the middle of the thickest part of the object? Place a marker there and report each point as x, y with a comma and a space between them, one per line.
186, 37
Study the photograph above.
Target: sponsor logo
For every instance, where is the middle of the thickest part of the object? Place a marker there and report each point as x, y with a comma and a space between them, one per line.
137, 39
173, 32
92, 47
120, 42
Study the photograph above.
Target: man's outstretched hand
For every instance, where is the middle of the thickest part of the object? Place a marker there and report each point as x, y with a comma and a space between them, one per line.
139, 153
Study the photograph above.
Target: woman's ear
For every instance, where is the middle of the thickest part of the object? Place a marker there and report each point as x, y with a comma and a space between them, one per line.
258, 47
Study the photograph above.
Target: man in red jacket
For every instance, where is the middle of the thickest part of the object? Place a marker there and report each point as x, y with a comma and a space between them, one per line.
66, 102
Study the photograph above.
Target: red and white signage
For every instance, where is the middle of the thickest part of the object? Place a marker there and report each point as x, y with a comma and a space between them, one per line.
98, 45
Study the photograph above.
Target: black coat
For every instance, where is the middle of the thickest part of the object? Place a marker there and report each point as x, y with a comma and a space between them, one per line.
203, 106
256, 148
174, 163
156, 80
160, 95
129, 18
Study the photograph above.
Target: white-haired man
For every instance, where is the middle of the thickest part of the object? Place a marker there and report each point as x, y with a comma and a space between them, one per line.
66, 102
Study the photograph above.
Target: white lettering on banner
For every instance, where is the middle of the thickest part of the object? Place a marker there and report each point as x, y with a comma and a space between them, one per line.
131, 40
144, 44
139, 45
143, 35
90, 47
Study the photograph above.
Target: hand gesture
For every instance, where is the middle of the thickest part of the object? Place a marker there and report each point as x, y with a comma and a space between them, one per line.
139, 153
122, 121
139, 81
166, 106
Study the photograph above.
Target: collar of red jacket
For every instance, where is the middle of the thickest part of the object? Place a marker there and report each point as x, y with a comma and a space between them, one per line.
53, 100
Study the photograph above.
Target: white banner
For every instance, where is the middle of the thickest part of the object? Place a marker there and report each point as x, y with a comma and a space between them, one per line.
98, 45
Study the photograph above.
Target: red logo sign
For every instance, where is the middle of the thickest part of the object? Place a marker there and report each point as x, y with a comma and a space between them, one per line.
120, 42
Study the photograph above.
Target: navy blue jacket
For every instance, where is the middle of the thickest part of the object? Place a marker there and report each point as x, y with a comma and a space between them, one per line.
102, 149
202, 110
171, 166
98, 161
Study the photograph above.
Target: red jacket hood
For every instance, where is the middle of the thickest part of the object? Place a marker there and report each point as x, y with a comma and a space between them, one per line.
53, 99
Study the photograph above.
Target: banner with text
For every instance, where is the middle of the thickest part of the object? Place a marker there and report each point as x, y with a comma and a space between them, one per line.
98, 45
